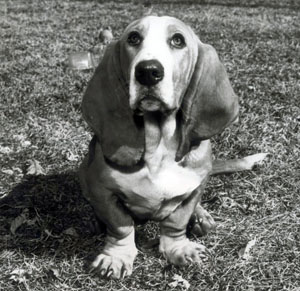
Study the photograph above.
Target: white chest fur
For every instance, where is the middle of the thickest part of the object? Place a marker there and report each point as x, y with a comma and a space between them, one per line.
161, 178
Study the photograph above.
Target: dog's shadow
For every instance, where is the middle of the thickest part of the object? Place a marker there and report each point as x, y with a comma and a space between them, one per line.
48, 215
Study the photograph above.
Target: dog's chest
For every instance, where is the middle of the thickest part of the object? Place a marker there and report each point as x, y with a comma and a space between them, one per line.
156, 193
162, 184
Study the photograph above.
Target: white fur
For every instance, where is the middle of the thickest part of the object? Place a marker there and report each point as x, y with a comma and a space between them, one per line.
154, 46
161, 178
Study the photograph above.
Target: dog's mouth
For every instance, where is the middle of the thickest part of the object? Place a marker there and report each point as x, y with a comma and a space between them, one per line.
151, 103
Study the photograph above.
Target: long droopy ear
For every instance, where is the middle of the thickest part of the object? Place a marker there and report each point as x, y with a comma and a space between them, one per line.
106, 109
209, 104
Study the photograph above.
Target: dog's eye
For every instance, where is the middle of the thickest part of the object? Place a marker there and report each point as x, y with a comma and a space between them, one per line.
134, 38
177, 40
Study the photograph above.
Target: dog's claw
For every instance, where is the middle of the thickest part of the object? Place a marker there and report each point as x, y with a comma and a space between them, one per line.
200, 220
123, 275
109, 273
102, 272
189, 259
89, 268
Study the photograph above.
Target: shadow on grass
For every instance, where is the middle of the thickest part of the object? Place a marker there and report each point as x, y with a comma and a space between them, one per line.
52, 217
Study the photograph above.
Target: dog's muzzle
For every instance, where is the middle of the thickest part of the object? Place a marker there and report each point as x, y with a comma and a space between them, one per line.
149, 73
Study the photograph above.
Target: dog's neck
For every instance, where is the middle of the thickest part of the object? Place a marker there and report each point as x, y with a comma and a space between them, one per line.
161, 139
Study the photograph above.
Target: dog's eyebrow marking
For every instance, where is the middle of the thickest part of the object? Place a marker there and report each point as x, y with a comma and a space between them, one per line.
141, 27
173, 28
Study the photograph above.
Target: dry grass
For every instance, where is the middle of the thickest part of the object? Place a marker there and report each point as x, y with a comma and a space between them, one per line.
41, 120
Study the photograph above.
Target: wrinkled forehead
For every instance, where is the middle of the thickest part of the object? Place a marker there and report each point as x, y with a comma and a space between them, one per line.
164, 25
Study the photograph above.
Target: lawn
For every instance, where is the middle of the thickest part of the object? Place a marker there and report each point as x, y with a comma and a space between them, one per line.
48, 232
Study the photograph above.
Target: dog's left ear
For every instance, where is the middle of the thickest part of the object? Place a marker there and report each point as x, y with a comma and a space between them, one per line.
209, 104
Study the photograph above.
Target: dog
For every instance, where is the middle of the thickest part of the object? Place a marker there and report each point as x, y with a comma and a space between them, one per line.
157, 97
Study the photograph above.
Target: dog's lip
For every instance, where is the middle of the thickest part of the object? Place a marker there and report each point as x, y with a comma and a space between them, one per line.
151, 103
151, 99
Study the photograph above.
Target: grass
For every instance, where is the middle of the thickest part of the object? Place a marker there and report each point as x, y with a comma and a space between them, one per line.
48, 231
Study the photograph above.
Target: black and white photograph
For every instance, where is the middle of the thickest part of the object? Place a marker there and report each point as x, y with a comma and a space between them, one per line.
150, 145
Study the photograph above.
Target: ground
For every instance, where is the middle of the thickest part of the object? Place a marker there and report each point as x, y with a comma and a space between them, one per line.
48, 231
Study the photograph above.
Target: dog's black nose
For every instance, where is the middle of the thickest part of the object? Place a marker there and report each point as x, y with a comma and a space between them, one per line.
149, 73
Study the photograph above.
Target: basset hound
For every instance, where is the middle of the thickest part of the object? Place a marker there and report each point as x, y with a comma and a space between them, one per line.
155, 100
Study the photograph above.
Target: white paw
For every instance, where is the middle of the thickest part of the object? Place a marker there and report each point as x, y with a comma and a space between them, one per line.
117, 257
181, 252
117, 267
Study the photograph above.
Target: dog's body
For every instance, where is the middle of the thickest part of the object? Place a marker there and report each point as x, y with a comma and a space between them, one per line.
157, 97
156, 188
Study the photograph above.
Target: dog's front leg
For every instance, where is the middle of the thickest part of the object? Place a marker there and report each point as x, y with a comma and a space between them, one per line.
174, 244
119, 252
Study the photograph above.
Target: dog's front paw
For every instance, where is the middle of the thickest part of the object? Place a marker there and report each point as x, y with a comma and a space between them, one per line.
181, 252
201, 222
115, 266
116, 259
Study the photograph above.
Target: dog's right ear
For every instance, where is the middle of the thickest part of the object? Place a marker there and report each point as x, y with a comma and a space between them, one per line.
105, 107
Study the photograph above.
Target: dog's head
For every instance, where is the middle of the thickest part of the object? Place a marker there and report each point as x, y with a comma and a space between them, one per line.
158, 64
157, 57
